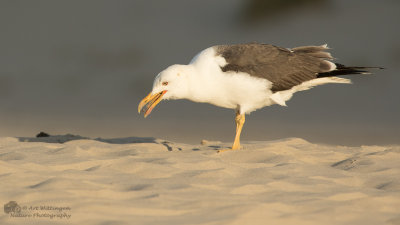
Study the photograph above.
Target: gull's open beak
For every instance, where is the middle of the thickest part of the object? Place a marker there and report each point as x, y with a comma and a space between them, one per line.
149, 102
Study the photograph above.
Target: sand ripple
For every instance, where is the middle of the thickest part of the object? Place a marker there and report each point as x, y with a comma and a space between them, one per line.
152, 181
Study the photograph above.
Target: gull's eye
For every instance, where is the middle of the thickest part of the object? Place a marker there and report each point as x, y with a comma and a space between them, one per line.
165, 83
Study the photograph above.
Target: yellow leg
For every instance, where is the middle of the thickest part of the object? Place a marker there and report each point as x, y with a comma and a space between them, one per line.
239, 119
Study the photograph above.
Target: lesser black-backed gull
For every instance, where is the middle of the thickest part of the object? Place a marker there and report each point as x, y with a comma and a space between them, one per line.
247, 77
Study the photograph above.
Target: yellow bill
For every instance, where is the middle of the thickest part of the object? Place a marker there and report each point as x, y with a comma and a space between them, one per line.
149, 102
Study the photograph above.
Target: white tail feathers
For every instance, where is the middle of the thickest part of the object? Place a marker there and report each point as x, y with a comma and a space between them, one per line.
281, 97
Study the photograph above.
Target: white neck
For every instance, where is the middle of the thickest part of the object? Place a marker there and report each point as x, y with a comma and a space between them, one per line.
208, 83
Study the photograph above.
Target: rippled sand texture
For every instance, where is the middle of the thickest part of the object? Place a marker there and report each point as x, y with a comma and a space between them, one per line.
152, 181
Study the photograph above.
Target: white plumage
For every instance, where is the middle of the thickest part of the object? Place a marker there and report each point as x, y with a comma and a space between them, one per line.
246, 77
203, 81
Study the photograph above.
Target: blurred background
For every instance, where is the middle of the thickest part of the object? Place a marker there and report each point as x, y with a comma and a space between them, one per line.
82, 67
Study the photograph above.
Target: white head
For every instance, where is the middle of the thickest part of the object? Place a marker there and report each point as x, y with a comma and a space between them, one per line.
171, 83
174, 80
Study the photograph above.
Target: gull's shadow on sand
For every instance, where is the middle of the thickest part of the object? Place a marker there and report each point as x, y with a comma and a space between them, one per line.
70, 137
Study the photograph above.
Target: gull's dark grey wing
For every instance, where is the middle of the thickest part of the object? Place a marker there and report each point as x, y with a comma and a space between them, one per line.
283, 67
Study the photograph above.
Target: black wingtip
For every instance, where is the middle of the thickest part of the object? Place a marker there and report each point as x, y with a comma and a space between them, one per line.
348, 70
341, 66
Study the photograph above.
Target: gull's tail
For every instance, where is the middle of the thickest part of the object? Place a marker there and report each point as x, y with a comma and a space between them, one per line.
347, 70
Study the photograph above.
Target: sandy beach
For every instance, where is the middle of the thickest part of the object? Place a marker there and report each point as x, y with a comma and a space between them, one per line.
151, 181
